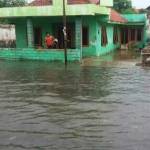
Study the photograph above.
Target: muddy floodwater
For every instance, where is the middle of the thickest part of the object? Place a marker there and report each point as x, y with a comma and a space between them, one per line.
101, 104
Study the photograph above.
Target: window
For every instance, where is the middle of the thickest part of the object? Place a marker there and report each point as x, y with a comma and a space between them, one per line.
115, 35
104, 40
85, 36
37, 37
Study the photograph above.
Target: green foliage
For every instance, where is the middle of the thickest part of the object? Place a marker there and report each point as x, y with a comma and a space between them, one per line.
123, 6
12, 3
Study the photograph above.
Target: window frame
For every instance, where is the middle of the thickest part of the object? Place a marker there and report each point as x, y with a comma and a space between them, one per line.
104, 36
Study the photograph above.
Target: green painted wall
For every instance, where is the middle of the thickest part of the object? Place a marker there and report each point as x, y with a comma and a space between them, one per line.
23, 52
135, 18
95, 48
44, 55
100, 50
91, 24
46, 24
144, 42
106, 3
21, 33
54, 10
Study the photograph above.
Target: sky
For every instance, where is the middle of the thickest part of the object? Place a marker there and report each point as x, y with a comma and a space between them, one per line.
141, 3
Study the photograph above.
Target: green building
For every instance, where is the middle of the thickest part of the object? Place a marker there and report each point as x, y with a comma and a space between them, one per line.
93, 29
134, 31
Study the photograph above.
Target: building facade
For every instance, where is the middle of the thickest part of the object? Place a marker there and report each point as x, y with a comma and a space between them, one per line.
93, 29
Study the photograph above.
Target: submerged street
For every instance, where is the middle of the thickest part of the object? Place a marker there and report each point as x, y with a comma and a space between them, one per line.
102, 104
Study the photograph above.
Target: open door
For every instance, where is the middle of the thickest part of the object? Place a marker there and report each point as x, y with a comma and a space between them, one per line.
58, 33
37, 37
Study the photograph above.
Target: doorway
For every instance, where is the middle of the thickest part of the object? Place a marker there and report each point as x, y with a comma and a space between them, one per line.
37, 37
124, 35
58, 33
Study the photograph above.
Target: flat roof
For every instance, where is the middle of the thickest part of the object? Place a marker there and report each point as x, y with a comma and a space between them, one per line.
135, 18
53, 10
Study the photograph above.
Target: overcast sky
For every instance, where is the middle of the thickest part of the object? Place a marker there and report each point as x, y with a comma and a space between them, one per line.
141, 3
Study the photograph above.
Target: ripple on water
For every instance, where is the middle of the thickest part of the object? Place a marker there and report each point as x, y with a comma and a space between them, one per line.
98, 106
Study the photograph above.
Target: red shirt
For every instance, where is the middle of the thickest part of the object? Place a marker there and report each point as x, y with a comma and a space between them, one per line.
49, 40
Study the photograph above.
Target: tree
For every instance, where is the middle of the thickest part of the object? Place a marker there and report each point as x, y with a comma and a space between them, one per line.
123, 6
12, 3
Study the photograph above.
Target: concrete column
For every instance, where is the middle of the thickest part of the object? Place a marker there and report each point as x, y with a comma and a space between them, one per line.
135, 35
78, 34
30, 38
144, 35
129, 35
124, 36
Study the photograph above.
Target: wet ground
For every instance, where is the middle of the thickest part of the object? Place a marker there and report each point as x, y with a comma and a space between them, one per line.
102, 104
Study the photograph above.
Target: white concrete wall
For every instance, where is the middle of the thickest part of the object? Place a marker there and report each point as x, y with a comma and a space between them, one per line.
7, 33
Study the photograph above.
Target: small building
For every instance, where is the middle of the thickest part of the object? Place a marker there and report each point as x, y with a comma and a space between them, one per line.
133, 32
93, 29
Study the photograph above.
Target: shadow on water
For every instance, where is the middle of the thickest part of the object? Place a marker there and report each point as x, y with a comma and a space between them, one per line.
95, 105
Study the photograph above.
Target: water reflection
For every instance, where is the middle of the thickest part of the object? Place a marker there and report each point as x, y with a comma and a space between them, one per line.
100, 104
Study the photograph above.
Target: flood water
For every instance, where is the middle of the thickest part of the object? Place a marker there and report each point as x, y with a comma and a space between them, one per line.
101, 104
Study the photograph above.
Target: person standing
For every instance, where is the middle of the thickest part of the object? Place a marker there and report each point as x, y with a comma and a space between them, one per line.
49, 41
